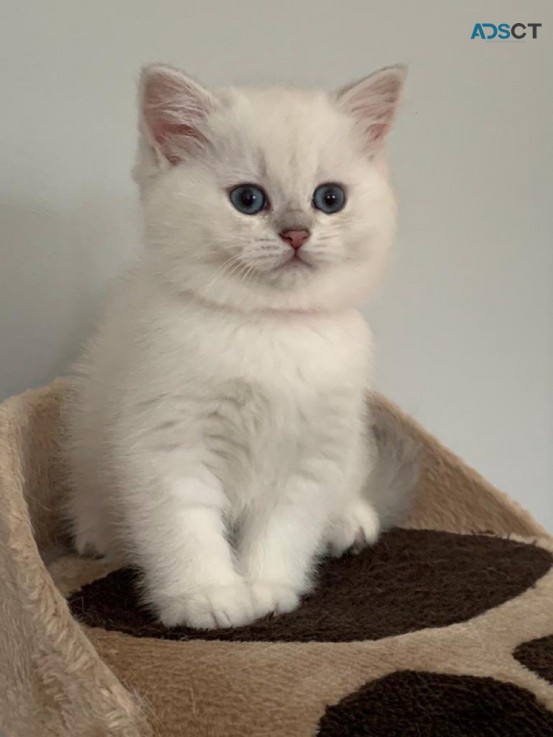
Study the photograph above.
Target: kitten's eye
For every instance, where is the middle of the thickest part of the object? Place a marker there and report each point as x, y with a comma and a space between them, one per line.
248, 198
329, 198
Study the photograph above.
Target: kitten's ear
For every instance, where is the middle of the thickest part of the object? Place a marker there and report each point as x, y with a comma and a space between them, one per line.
373, 103
173, 110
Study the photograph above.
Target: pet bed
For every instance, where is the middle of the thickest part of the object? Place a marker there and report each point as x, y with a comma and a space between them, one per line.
443, 629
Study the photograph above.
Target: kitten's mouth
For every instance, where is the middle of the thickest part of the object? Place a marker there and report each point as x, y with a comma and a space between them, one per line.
296, 262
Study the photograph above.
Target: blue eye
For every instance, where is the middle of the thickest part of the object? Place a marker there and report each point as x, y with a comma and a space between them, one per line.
248, 198
329, 198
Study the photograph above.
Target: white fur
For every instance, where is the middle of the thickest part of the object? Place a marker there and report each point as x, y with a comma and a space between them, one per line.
216, 432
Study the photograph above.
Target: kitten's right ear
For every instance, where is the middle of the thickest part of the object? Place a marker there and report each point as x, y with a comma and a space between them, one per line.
173, 111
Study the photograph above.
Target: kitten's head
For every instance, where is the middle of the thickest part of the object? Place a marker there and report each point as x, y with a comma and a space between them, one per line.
269, 199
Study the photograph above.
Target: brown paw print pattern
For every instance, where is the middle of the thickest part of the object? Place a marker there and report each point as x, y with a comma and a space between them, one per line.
413, 704
443, 577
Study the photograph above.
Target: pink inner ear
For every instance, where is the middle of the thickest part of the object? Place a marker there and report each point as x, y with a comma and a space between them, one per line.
377, 131
169, 135
376, 113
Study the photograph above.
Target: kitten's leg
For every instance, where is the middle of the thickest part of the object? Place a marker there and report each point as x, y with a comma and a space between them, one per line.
281, 538
356, 523
279, 542
88, 520
356, 527
179, 540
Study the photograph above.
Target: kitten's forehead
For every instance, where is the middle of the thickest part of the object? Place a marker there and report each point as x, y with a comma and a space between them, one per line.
284, 135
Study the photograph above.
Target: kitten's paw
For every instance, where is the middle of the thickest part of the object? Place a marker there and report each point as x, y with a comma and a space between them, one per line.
270, 597
212, 607
357, 528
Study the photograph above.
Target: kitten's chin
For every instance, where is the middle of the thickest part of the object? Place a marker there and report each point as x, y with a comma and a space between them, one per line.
293, 273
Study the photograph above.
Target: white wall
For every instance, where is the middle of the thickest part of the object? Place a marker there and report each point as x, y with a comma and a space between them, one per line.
464, 323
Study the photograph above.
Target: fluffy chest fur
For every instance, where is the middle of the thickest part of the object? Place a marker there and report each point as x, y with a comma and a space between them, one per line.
249, 394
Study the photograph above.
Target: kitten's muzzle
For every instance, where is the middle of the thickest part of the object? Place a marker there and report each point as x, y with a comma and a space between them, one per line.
295, 237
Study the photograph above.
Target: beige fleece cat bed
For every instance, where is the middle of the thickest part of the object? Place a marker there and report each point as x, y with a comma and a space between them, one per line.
444, 629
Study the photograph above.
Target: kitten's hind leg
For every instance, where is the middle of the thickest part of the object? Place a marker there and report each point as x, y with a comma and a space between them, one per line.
357, 527
90, 529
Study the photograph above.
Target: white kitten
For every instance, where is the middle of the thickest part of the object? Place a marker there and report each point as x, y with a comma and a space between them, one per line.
217, 431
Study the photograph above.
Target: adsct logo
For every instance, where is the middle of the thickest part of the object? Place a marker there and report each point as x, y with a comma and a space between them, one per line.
504, 31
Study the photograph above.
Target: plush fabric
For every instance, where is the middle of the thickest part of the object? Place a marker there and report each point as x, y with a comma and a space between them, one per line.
442, 616
52, 681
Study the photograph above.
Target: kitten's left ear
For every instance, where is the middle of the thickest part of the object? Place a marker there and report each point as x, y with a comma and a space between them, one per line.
373, 103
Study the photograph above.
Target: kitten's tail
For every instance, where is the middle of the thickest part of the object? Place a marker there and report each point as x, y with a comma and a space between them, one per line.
392, 483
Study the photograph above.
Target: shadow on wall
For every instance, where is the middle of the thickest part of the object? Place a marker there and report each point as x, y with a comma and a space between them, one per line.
54, 265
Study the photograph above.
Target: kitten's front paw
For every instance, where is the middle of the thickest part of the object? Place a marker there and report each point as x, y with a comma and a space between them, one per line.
358, 527
271, 597
211, 607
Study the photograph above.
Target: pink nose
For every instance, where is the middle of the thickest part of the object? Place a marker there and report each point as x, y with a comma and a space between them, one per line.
295, 238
